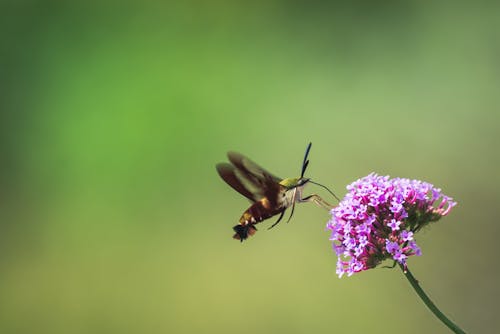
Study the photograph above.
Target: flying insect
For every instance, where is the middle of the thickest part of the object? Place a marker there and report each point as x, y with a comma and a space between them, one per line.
269, 194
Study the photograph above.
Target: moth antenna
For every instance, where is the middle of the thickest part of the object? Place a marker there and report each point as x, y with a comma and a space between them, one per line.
305, 163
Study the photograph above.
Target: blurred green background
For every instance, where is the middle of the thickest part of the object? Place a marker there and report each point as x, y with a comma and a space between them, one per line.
114, 114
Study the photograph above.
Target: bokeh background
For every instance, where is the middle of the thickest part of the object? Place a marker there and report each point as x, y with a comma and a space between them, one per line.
114, 114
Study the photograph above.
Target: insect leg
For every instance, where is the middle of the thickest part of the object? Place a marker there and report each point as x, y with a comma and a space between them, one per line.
295, 191
318, 200
279, 219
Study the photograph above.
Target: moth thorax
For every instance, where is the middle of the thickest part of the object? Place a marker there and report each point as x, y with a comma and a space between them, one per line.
290, 182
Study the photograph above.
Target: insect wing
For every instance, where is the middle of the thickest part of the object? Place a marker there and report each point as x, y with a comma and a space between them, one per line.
265, 184
249, 179
229, 174
251, 169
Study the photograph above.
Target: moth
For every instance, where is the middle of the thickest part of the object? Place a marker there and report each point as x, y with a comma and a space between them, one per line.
269, 194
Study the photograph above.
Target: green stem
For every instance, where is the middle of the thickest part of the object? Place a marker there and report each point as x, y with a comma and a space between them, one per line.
428, 302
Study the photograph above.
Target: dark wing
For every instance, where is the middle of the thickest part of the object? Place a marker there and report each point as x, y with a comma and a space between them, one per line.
254, 178
249, 179
228, 173
250, 168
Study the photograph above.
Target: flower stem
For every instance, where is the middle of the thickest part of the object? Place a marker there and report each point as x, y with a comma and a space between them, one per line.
428, 302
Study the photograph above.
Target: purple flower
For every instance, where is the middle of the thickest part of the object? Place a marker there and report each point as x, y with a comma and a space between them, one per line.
394, 225
377, 220
391, 246
406, 235
414, 247
400, 257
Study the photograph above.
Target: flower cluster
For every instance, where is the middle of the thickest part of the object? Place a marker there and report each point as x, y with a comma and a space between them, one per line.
378, 218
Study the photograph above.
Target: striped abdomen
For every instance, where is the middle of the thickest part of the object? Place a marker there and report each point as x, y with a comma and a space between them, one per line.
256, 213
